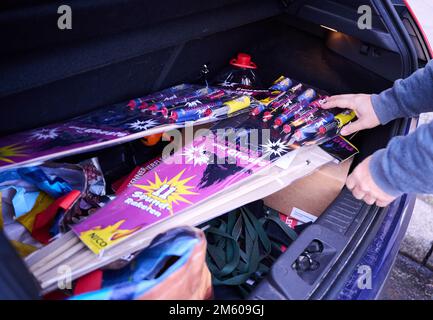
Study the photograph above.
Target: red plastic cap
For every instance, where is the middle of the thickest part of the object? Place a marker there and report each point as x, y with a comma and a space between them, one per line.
243, 60
322, 130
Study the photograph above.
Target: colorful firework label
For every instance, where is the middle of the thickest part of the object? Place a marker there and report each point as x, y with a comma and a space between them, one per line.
120, 123
195, 173
114, 124
238, 148
101, 128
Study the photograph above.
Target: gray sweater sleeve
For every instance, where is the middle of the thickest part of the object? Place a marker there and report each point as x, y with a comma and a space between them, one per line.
407, 98
406, 165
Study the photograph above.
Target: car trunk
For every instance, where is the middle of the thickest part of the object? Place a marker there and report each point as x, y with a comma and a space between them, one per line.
131, 50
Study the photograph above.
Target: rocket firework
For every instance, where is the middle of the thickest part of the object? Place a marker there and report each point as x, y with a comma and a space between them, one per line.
185, 99
219, 94
296, 88
183, 115
233, 106
319, 102
322, 126
304, 117
288, 102
282, 84
289, 114
306, 97
139, 102
204, 109
276, 104
258, 110
142, 102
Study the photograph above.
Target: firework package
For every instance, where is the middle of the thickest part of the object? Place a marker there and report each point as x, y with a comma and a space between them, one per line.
261, 137
148, 116
216, 162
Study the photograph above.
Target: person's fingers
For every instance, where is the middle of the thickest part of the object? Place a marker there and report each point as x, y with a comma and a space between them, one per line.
342, 101
382, 203
352, 128
350, 182
370, 200
358, 193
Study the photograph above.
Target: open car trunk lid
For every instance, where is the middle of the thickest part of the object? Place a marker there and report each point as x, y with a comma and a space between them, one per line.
130, 50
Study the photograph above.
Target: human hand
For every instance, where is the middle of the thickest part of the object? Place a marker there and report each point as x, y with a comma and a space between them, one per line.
363, 187
361, 104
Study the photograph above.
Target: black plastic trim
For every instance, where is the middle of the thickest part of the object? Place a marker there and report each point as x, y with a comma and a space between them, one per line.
53, 64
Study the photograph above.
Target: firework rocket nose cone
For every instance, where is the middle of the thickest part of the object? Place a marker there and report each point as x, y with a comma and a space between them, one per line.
278, 123
208, 112
267, 116
255, 112
164, 112
174, 116
287, 128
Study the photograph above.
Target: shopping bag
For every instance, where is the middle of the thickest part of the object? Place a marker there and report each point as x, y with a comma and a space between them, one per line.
173, 267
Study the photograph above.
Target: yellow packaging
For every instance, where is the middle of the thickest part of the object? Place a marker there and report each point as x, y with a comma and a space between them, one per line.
238, 104
344, 118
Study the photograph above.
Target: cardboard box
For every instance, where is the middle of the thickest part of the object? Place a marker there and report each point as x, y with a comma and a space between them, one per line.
312, 194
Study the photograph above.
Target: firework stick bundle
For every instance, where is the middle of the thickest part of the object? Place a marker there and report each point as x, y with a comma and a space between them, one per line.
234, 195
119, 123
51, 251
68, 253
257, 187
36, 267
32, 258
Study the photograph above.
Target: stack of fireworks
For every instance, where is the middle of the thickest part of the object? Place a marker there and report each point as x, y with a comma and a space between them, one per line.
298, 115
185, 102
190, 103
291, 108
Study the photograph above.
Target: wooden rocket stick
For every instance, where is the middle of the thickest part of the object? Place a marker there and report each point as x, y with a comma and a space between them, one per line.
62, 257
53, 276
60, 246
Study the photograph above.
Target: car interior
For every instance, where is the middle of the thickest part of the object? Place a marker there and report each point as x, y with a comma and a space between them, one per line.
120, 49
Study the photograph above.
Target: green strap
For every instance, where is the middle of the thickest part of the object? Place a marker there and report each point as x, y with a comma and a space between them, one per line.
238, 247
286, 229
229, 260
